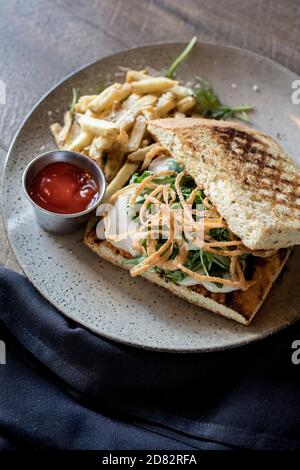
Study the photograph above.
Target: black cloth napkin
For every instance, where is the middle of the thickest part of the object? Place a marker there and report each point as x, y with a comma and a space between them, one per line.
65, 388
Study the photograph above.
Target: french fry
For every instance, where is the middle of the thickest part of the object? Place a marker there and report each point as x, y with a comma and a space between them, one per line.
181, 91
150, 113
140, 154
98, 127
120, 179
130, 101
56, 130
137, 134
152, 85
127, 119
186, 104
82, 140
109, 96
60, 133
165, 104
83, 103
72, 135
135, 75
99, 145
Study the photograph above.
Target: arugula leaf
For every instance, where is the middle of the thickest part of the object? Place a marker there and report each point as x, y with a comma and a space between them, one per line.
138, 178
171, 70
207, 261
210, 106
134, 260
220, 234
174, 276
199, 197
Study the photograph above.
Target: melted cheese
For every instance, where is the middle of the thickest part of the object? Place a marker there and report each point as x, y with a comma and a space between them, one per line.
119, 224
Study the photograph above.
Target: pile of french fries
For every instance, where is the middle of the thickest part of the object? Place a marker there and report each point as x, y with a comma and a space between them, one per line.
111, 128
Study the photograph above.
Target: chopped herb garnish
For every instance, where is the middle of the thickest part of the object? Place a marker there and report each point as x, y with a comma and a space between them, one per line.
209, 105
182, 56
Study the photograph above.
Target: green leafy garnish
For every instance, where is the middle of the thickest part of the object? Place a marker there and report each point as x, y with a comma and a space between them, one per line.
208, 262
174, 276
220, 234
210, 106
135, 260
138, 177
171, 70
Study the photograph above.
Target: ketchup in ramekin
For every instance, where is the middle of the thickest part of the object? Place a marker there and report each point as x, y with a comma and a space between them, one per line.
63, 188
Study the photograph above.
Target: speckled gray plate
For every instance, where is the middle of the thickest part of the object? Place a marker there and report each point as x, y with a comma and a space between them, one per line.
106, 299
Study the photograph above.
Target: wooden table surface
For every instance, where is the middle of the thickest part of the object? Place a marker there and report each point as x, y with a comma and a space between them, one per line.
41, 41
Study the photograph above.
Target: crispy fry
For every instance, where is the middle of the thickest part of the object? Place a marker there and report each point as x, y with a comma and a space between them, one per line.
180, 91
83, 103
60, 133
99, 127
109, 96
140, 154
56, 130
120, 179
127, 119
82, 140
137, 134
135, 75
165, 104
186, 104
153, 85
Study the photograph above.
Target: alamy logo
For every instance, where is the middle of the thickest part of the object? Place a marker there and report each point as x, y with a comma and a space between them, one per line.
296, 93
296, 354
2, 352
2, 92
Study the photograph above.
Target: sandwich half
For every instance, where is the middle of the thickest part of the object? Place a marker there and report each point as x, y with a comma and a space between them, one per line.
211, 214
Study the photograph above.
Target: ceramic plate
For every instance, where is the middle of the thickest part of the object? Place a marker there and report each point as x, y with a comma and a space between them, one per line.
106, 299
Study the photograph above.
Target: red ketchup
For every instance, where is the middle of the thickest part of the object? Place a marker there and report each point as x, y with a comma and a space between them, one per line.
63, 188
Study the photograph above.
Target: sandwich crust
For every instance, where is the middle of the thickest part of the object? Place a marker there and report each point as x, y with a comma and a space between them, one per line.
254, 185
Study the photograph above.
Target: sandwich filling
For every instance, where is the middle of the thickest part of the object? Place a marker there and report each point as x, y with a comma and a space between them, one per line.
162, 221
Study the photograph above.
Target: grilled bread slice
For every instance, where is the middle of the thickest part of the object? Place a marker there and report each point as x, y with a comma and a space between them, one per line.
254, 185
237, 305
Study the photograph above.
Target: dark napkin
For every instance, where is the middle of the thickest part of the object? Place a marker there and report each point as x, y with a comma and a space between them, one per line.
64, 387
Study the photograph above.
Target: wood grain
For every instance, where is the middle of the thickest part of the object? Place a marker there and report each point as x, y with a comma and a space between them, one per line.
41, 41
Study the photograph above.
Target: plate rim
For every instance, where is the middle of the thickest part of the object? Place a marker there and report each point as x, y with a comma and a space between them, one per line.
94, 330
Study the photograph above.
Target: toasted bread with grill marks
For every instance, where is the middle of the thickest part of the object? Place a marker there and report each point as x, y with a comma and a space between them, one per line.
248, 177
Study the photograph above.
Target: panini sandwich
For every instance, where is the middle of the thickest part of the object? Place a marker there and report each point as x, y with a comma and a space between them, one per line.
212, 210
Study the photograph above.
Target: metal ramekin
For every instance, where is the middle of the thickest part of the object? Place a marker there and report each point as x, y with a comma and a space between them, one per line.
62, 223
